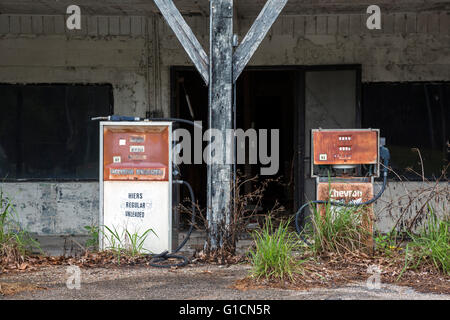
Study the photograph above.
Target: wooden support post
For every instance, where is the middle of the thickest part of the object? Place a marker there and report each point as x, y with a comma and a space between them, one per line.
220, 118
220, 71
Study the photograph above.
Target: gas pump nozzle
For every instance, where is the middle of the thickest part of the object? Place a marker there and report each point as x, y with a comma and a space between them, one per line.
117, 118
125, 118
386, 156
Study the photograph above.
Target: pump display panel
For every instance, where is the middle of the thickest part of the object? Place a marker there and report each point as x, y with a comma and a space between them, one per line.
333, 147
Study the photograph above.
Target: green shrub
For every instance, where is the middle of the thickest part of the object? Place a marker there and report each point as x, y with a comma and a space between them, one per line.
273, 255
387, 244
92, 241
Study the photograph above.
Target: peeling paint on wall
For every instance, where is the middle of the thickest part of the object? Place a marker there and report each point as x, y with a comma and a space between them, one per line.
54, 208
402, 201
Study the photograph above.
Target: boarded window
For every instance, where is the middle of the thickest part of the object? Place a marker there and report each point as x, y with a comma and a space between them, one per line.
46, 132
411, 115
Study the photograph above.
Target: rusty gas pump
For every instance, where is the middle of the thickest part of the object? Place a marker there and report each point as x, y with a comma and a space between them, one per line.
136, 182
344, 163
136, 177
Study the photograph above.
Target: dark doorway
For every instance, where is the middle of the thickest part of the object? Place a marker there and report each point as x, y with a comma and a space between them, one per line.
265, 99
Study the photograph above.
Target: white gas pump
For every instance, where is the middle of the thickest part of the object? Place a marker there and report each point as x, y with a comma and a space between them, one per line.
136, 183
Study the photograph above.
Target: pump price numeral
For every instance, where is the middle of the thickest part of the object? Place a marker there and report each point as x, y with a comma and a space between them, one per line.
137, 149
137, 139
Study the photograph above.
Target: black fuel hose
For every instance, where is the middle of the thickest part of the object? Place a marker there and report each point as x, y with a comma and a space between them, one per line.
157, 258
192, 123
299, 225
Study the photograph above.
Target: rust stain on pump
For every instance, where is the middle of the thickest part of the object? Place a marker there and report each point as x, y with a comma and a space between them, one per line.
343, 153
132, 153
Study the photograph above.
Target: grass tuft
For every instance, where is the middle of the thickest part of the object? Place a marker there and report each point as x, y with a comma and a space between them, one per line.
338, 229
127, 243
273, 255
431, 246
15, 242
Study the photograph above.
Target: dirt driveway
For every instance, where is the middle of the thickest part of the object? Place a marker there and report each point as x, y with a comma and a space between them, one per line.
194, 282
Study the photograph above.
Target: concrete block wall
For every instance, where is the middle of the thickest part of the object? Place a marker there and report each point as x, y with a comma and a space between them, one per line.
94, 26
40, 49
411, 46
54, 208
36, 49
120, 50
135, 53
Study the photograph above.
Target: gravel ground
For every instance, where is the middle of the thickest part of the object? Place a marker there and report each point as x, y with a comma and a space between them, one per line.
196, 282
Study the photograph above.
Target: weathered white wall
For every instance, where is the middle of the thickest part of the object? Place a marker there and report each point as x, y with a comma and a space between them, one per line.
38, 49
54, 208
410, 46
135, 53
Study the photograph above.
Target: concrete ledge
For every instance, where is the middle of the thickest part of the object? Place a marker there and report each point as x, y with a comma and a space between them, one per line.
72, 245
62, 245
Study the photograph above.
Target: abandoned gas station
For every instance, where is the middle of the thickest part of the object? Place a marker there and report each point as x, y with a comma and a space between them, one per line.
319, 66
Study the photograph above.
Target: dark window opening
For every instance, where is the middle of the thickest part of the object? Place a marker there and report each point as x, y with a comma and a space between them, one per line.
46, 132
411, 115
